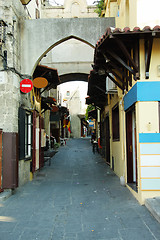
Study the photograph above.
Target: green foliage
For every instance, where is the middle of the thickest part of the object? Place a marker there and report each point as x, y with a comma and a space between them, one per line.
100, 7
89, 108
56, 145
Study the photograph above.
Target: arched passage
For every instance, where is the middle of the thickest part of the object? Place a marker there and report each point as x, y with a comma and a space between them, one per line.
40, 36
62, 52
72, 57
74, 77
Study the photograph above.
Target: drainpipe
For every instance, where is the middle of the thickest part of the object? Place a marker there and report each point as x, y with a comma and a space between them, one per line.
99, 121
122, 178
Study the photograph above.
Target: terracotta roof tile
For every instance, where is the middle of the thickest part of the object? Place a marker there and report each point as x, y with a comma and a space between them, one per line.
146, 28
136, 30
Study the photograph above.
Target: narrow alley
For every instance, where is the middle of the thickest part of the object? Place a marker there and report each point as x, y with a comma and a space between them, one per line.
78, 197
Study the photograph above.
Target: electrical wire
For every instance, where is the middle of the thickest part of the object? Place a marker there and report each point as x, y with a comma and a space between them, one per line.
22, 76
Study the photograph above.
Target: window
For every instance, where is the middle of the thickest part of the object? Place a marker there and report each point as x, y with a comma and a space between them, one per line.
28, 126
68, 93
25, 134
115, 123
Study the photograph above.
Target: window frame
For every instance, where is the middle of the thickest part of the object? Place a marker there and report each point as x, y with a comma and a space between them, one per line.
28, 136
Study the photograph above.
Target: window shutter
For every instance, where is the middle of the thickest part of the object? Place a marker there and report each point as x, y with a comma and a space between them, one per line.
21, 131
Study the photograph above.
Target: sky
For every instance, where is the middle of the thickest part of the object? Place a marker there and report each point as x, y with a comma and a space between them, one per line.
60, 2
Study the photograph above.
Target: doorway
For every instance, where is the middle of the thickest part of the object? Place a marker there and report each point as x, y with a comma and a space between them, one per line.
1, 159
107, 140
131, 148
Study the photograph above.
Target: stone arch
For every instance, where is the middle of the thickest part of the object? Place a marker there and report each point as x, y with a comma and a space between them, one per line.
58, 43
74, 77
40, 36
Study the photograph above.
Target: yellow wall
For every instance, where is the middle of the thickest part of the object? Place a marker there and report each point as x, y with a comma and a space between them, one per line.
148, 13
117, 147
111, 9
147, 117
154, 73
127, 14
141, 13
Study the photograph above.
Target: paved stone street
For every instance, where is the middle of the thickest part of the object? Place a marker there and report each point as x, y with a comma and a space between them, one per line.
78, 197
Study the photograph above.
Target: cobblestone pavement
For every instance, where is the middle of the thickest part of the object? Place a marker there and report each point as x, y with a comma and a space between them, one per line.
78, 197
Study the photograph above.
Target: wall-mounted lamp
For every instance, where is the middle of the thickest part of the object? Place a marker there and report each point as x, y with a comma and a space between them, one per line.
25, 2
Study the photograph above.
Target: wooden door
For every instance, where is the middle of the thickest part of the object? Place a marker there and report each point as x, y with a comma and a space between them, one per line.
10, 160
131, 147
0, 160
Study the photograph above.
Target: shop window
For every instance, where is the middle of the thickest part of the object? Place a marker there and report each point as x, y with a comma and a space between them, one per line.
115, 123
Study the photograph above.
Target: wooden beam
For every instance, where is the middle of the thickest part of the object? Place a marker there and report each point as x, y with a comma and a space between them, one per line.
127, 54
112, 64
112, 79
117, 76
110, 70
118, 59
148, 52
103, 91
136, 57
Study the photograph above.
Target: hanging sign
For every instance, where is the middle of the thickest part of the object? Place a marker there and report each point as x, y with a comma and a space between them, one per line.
26, 85
40, 82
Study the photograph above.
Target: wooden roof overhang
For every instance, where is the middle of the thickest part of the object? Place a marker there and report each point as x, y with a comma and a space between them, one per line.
93, 114
47, 103
117, 54
96, 89
50, 74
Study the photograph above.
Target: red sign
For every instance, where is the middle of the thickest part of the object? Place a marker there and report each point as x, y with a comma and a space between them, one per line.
26, 85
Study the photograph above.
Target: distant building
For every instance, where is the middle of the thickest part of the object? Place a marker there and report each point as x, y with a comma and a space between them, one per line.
70, 9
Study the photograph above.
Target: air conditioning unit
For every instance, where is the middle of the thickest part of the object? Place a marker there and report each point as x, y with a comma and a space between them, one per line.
110, 85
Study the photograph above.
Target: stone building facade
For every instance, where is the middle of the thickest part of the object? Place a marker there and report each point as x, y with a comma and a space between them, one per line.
13, 13
70, 9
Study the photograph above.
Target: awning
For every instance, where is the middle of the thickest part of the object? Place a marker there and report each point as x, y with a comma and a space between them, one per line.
83, 121
47, 103
49, 100
96, 101
63, 111
117, 54
93, 114
50, 74
44, 106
